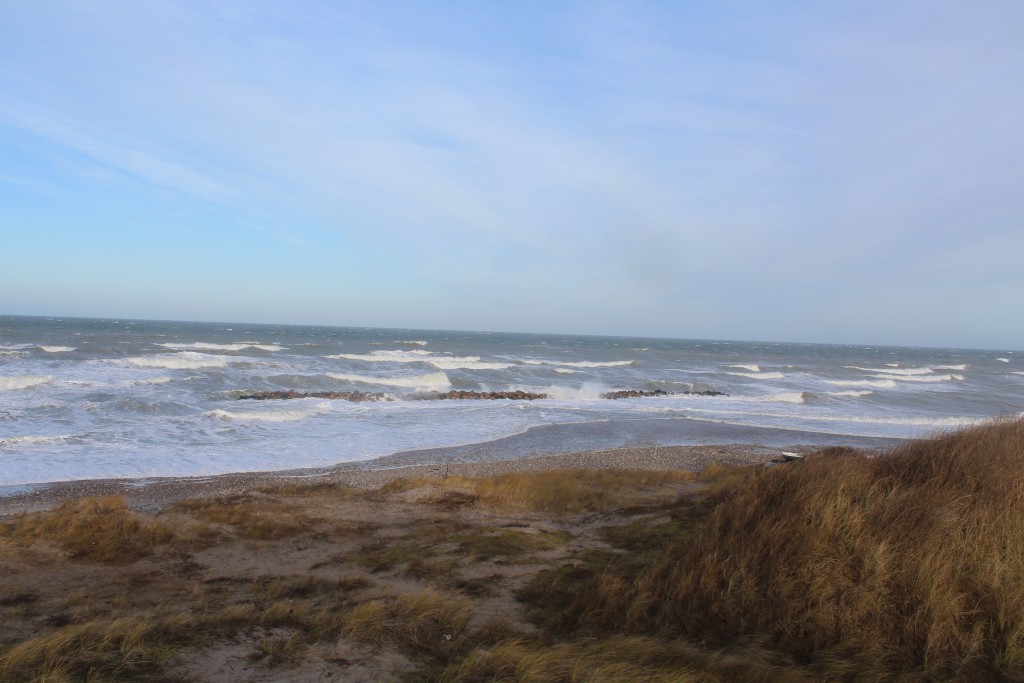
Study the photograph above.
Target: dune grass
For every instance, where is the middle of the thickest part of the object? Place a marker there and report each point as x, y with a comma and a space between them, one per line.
568, 490
910, 564
93, 529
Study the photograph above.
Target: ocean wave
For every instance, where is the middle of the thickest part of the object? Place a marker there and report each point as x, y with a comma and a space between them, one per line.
237, 346
878, 384
565, 371
950, 367
32, 440
10, 383
895, 371
419, 356
152, 380
1003, 360
414, 342
185, 360
853, 393
787, 397
757, 375
57, 349
13, 352
433, 381
585, 392
579, 364
752, 368
289, 415
920, 378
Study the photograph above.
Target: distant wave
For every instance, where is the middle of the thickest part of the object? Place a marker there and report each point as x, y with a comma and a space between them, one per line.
434, 381
578, 364
416, 342
879, 384
854, 393
418, 356
237, 346
895, 371
289, 415
57, 349
186, 360
1004, 360
565, 371
951, 367
9, 383
758, 375
32, 440
752, 368
919, 378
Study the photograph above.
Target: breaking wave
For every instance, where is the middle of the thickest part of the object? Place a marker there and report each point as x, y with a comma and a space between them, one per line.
878, 384
238, 346
752, 368
565, 371
757, 375
419, 356
579, 364
31, 440
186, 360
434, 381
289, 415
9, 383
919, 378
57, 349
895, 371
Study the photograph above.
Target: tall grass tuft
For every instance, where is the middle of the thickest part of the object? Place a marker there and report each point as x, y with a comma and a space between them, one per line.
909, 563
94, 529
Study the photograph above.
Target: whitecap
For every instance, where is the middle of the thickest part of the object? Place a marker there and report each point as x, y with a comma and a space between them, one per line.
32, 440
434, 381
1004, 360
414, 342
284, 415
565, 371
757, 375
787, 397
752, 368
853, 392
419, 356
895, 371
950, 367
585, 392
237, 346
10, 383
187, 360
152, 380
919, 378
882, 384
579, 364
57, 349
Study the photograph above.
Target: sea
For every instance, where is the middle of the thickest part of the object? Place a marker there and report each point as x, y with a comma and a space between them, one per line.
91, 398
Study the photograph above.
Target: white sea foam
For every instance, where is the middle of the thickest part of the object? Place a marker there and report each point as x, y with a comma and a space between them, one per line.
880, 384
1004, 360
919, 378
578, 364
12, 352
152, 380
752, 368
950, 367
32, 440
565, 371
1017, 373
284, 415
433, 381
186, 360
852, 392
10, 383
895, 371
585, 392
237, 346
787, 397
757, 375
419, 356
415, 342
57, 349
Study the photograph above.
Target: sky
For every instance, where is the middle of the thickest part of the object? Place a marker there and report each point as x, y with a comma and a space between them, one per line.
789, 171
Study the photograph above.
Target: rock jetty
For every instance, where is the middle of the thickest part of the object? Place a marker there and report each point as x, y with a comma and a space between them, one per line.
357, 396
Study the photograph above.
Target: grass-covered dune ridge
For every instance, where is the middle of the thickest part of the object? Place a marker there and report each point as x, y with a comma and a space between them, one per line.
846, 566
908, 563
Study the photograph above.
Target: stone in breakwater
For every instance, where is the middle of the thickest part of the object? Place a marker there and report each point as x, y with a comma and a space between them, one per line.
634, 393
357, 396
478, 395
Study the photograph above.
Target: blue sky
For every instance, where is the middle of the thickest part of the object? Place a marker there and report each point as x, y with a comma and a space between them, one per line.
799, 171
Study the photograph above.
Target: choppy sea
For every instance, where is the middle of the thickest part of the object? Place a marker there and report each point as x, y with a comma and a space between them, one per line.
89, 398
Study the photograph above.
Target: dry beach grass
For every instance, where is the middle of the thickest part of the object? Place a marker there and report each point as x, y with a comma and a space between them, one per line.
842, 566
